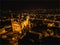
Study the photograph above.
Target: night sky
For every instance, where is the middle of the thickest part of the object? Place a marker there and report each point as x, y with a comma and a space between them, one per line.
17, 5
